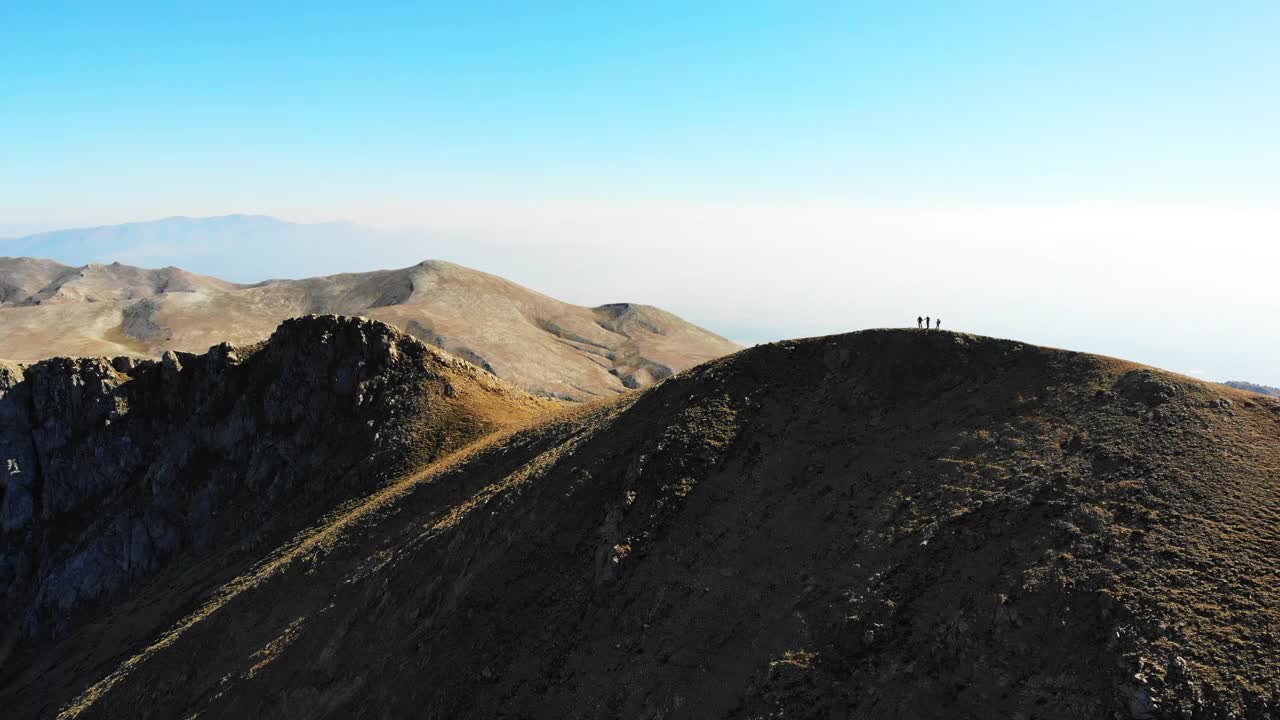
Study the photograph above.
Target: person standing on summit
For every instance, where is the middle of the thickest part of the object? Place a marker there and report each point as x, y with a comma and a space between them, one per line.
926, 322
939, 325
919, 321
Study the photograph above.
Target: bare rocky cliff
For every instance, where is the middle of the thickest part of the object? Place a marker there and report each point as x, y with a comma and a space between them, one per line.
114, 469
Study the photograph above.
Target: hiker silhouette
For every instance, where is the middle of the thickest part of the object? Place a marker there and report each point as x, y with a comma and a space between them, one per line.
939, 325
919, 320
926, 322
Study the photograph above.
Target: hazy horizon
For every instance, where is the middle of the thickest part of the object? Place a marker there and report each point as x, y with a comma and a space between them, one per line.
1090, 176
1068, 293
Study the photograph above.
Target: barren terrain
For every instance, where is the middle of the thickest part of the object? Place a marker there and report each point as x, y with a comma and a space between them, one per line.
886, 524
543, 345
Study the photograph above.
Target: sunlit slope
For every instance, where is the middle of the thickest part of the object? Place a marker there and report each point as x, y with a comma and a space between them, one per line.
534, 341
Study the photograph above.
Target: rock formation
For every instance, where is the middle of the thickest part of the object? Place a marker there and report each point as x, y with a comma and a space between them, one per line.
115, 468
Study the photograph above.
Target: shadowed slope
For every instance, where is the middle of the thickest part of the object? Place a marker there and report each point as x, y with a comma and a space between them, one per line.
125, 475
889, 524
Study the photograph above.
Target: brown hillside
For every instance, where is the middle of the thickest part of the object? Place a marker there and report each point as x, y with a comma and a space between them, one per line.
887, 524
123, 475
543, 345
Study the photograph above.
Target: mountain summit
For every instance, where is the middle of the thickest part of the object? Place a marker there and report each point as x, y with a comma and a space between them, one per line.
539, 343
889, 524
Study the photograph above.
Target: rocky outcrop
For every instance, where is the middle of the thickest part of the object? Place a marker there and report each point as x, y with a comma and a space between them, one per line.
1147, 387
111, 469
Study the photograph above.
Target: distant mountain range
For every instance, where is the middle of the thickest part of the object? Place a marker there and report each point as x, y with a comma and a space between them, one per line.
52, 303
1254, 387
225, 246
537, 342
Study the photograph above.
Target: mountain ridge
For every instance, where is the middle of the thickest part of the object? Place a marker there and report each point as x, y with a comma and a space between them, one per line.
540, 343
889, 523
234, 232
1253, 387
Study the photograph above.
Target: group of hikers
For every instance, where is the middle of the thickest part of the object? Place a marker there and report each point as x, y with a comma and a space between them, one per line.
923, 322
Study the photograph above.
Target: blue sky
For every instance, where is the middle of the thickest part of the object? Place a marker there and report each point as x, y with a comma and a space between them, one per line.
151, 109
1095, 175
